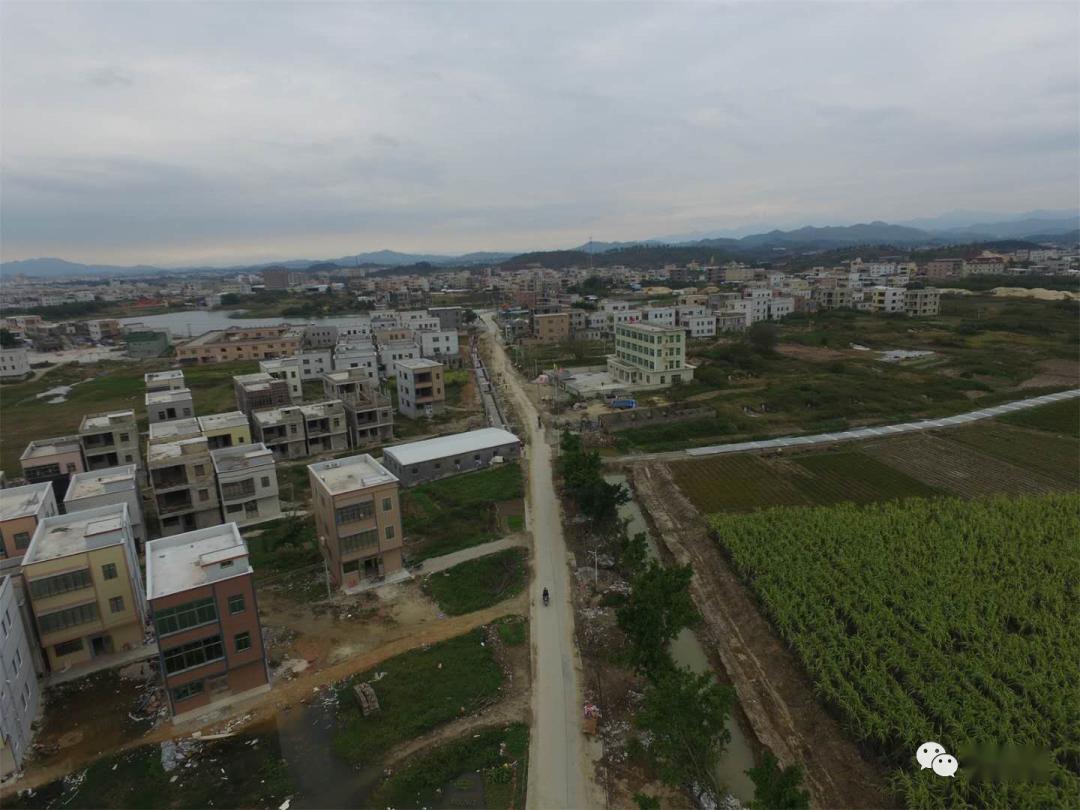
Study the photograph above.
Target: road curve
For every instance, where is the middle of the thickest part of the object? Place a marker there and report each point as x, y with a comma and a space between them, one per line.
881, 432
557, 761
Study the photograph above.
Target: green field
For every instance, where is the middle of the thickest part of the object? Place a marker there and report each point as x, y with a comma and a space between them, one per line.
933, 619
745, 483
499, 755
480, 583
1057, 456
457, 512
420, 690
282, 545
1062, 418
99, 387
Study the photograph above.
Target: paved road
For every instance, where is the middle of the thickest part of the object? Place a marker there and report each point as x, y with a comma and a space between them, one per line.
849, 435
557, 760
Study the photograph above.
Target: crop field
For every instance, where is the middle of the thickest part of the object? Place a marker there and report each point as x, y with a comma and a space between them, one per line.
745, 483
935, 619
1054, 456
959, 469
1062, 418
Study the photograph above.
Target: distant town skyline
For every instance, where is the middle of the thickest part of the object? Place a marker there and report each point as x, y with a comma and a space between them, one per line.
230, 133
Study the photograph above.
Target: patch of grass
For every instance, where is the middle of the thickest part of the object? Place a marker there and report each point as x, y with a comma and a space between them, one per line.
457, 512
512, 630
419, 782
658, 438
852, 476
421, 689
227, 773
1062, 418
282, 545
516, 523
294, 483
479, 583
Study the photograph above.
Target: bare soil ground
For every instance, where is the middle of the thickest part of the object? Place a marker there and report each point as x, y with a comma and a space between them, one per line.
1054, 373
815, 354
775, 693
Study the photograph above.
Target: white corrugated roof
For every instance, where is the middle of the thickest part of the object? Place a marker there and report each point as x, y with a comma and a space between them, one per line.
468, 442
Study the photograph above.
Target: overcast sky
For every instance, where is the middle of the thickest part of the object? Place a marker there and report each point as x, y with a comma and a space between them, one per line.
177, 133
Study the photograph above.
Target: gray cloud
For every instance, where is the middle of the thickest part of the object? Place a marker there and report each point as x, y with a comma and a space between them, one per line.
226, 132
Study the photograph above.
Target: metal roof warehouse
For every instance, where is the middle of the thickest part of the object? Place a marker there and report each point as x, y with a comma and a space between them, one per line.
422, 461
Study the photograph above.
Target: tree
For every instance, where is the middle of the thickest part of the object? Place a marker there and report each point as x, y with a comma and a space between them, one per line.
762, 337
658, 608
230, 299
633, 551
468, 316
777, 788
686, 717
8, 340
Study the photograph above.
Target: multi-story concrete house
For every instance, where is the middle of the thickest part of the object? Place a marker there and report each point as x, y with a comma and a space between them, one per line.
110, 440
182, 477
552, 327
171, 380
393, 334
145, 343
200, 586
356, 355
370, 413
919, 303
287, 369
229, 429
82, 576
357, 519
428, 460
320, 336
20, 695
241, 343
780, 307
649, 356
21, 510
420, 388
164, 406
450, 318
390, 353
440, 345
53, 461
355, 331
325, 426
313, 364
660, 316
256, 392
699, 326
162, 432
89, 490
887, 299
281, 430
247, 483
14, 363
833, 297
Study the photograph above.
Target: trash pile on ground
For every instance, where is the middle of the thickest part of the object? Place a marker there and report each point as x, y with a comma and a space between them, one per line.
175, 753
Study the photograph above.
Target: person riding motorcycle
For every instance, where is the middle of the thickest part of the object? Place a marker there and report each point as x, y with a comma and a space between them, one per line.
545, 596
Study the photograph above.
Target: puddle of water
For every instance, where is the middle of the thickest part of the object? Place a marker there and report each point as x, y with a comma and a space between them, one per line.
687, 651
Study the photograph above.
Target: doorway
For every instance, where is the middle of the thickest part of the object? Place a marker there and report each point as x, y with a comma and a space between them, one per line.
101, 645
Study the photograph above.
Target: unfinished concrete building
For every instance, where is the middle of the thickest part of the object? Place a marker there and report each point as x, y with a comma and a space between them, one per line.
110, 440
325, 426
257, 392
282, 431
369, 412
247, 483
185, 492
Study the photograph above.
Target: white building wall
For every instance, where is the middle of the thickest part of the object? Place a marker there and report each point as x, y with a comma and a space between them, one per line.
20, 694
14, 362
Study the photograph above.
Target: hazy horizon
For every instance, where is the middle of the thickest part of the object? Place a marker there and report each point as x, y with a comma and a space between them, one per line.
220, 134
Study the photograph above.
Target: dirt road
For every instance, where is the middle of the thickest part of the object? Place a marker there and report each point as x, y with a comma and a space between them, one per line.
774, 692
559, 769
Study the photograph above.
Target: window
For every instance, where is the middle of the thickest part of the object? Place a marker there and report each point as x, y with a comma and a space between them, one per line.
182, 617
266, 481
71, 468
128, 459
187, 691
242, 641
239, 489
68, 647
387, 504
200, 470
357, 542
116, 604
354, 512
61, 583
236, 603
68, 617
226, 563
204, 494
123, 437
389, 532
351, 567
109, 570
194, 654
22, 540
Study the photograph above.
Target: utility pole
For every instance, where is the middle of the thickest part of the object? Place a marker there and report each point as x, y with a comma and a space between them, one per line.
596, 565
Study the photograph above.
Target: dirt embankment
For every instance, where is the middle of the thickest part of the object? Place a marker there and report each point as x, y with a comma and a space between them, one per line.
774, 691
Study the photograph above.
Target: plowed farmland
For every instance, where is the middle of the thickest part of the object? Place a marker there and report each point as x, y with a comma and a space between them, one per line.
933, 619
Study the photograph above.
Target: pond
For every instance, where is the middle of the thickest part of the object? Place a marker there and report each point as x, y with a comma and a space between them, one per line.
687, 651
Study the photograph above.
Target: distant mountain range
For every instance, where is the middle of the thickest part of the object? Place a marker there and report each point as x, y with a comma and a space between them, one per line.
1037, 226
